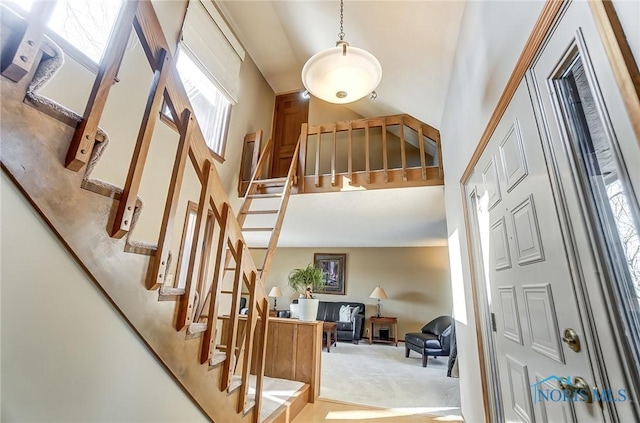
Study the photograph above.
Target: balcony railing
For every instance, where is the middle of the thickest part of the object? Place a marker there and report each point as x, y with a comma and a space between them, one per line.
385, 152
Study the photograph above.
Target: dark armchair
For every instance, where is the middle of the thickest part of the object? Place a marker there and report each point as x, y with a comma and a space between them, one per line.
434, 339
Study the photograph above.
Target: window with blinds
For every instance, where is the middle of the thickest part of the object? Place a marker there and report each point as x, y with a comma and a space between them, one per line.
208, 61
210, 106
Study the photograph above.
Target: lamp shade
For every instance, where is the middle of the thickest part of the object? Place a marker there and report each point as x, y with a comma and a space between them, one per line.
341, 78
379, 294
275, 292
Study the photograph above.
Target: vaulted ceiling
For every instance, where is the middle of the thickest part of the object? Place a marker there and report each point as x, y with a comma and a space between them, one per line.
415, 43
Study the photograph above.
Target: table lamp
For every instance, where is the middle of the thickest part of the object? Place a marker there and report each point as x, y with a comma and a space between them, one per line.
275, 293
379, 294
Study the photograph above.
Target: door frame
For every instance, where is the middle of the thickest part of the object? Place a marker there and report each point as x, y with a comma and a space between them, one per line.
625, 71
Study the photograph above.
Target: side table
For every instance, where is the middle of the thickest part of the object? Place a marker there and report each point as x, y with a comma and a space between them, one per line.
330, 330
373, 320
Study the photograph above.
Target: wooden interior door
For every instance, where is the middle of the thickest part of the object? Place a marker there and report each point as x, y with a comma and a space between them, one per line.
291, 111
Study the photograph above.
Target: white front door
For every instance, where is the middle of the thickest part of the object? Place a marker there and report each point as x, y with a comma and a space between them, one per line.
553, 248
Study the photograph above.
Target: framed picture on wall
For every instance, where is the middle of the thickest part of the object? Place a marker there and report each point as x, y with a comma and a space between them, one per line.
333, 267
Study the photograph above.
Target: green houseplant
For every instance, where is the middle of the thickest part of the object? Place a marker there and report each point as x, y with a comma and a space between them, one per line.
304, 282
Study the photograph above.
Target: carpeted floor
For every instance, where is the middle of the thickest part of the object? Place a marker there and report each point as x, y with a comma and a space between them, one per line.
379, 375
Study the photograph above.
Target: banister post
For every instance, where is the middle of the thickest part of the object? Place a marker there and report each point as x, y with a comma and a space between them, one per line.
18, 61
85, 133
302, 161
185, 306
164, 240
124, 215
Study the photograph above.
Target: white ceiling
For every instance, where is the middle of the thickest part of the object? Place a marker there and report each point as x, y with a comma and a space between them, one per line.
415, 43
400, 217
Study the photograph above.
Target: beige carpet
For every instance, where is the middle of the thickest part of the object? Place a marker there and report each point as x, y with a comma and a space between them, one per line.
379, 375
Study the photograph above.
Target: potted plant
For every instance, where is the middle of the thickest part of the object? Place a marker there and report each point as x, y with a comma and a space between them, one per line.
304, 282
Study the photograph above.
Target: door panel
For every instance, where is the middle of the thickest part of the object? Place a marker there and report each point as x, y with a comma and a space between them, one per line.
531, 287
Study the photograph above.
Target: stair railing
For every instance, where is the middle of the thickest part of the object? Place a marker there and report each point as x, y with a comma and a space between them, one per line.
167, 86
369, 158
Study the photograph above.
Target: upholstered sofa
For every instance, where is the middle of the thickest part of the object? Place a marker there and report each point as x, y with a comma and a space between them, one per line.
433, 340
348, 330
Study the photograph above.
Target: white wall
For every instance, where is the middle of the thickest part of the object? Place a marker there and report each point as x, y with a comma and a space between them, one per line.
492, 37
67, 355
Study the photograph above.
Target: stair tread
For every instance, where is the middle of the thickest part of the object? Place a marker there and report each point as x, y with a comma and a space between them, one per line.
271, 181
272, 211
195, 328
167, 291
257, 229
275, 195
259, 269
218, 357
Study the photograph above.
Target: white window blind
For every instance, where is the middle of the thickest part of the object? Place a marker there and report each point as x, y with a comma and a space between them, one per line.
211, 42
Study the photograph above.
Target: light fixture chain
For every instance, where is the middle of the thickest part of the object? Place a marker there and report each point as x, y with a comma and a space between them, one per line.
341, 33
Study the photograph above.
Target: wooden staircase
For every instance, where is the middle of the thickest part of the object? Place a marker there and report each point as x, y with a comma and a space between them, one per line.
43, 151
264, 207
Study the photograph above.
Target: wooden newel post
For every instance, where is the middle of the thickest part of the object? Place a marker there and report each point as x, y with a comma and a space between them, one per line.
85, 134
19, 60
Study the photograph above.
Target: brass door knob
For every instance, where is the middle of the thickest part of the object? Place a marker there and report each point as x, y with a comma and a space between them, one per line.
571, 339
578, 389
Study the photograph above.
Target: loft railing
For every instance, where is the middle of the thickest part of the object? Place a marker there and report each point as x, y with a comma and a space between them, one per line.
218, 239
384, 152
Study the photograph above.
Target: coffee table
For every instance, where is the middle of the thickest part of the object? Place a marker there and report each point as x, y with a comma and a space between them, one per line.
331, 335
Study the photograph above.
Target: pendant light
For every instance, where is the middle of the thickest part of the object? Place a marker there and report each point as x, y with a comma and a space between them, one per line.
342, 74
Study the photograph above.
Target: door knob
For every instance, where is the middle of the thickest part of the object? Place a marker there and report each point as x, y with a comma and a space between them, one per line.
578, 389
571, 339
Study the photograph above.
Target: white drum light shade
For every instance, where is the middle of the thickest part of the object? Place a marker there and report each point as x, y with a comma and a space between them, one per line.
337, 78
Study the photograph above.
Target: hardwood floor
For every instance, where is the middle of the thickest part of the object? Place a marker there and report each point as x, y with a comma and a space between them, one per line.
333, 411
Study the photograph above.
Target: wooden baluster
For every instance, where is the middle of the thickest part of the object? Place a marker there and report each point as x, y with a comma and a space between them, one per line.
439, 146
164, 241
129, 196
209, 336
318, 138
19, 60
385, 157
422, 158
403, 154
263, 307
366, 152
250, 328
232, 336
85, 134
302, 161
333, 158
185, 306
350, 153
